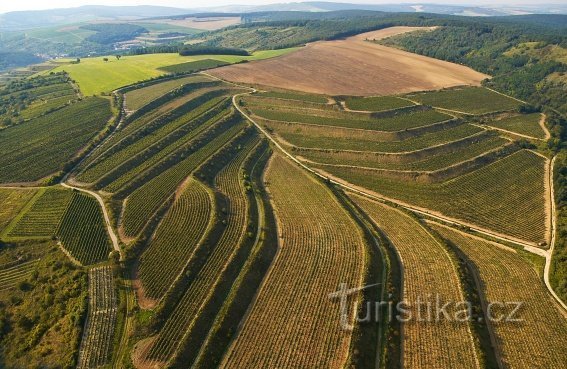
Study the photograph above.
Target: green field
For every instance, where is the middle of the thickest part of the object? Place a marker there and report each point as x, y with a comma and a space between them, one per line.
377, 103
42, 146
525, 124
471, 100
94, 76
13, 201
194, 66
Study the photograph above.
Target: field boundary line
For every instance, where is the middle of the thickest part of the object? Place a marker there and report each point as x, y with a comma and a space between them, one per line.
506, 131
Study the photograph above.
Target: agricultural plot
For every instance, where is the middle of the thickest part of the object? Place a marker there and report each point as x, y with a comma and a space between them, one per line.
51, 140
194, 66
82, 230
507, 196
43, 107
42, 219
176, 238
139, 97
97, 342
524, 124
293, 323
376, 103
13, 201
292, 95
399, 122
539, 340
201, 290
147, 199
14, 273
470, 100
429, 272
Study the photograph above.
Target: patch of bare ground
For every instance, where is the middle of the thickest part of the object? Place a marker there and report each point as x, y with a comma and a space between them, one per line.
353, 66
204, 23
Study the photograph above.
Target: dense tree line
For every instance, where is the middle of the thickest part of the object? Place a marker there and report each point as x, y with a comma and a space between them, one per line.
110, 33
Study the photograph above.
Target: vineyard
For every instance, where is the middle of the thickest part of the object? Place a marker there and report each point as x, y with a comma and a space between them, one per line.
470, 100
96, 345
11, 274
539, 340
526, 124
13, 201
378, 103
194, 66
82, 230
43, 217
176, 239
316, 235
51, 140
199, 295
428, 272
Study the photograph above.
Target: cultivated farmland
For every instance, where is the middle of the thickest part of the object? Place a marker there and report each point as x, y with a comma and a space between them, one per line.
96, 345
315, 234
525, 124
539, 339
429, 272
13, 201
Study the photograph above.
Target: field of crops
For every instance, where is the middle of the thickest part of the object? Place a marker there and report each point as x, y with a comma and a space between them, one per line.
507, 196
139, 97
51, 140
13, 201
429, 272
145, 200
42, 219
293, 323
539, 340
82, 230
177, 236
97, 342
47, 106
377, 103
289, 95
201, 290
525, 124
470, 100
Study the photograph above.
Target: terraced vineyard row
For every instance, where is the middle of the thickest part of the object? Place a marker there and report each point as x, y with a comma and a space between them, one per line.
43, 217
507, 196
177, 236
539, 340
83, 232
11, 275
144, 201
51, 140
428, 273
293, 323
96, 345
142, 163
377, 103
202, 287
525, 124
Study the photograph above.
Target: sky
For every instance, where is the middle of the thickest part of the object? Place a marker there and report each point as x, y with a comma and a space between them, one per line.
11, 5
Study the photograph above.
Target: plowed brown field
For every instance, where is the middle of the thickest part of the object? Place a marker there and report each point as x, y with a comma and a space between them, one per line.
353, 67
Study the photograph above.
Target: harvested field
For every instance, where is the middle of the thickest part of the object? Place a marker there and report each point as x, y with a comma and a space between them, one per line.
206, 23
353, 67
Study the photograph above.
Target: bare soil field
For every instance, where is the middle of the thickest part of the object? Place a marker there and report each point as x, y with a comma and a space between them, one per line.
208, 24
353, 66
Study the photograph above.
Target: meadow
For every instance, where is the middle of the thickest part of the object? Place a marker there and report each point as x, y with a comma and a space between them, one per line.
95, 76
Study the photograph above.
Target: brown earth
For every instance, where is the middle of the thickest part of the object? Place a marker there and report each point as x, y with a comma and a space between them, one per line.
353, 67
209, 23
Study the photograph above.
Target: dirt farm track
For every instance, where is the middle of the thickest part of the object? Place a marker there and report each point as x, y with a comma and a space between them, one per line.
353, 67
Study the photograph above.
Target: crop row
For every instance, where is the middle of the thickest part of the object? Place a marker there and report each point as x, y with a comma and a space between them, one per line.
44, 216
429, 275
525, 124
144, 201
288, 95
141, 162
50, 140
176, 238
45, 107
234, 218
539, 340
156, 130
83, 232
331, 140
13, 201
97, 342
376, 103
398, 122
507, 196
293, 323
472, 100
11, 276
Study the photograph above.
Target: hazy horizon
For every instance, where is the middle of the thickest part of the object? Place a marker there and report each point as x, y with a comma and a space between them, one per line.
54, 4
